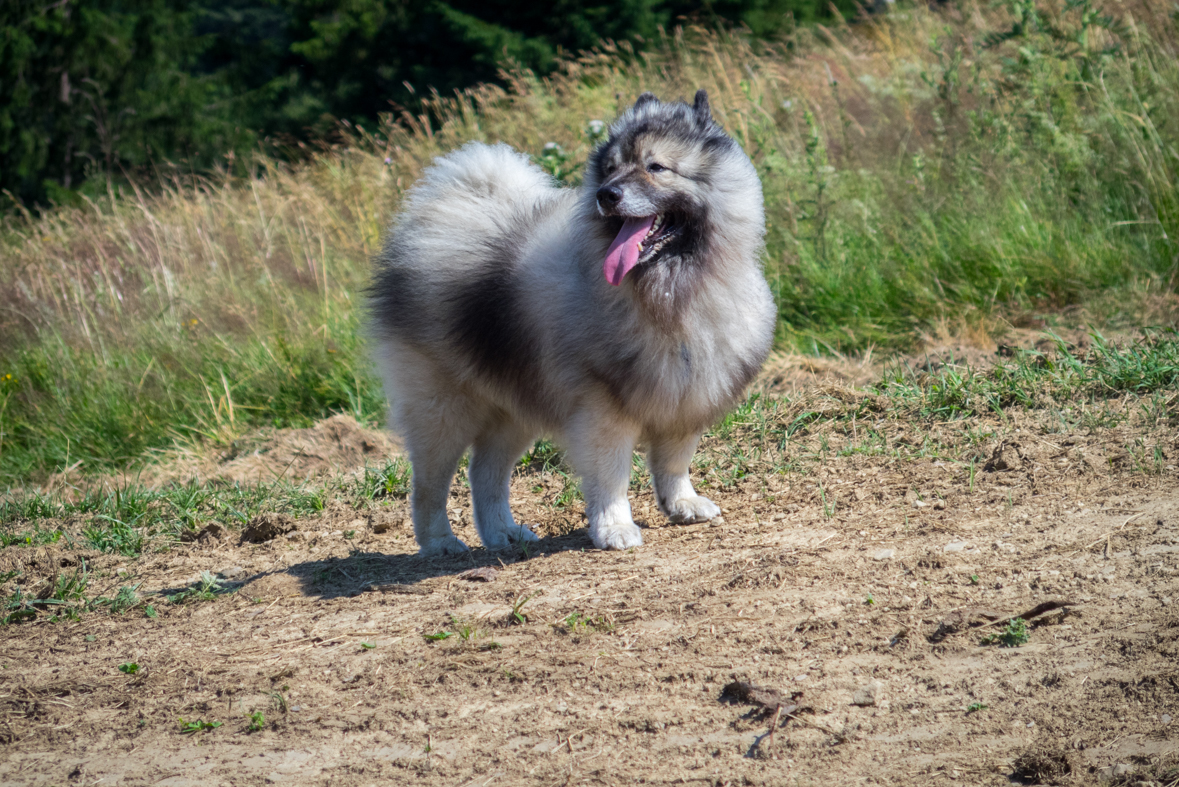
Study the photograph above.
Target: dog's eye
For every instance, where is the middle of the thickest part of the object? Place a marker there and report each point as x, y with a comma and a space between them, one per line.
654, 168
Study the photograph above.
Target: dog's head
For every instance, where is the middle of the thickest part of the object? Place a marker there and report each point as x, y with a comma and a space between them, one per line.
665, 183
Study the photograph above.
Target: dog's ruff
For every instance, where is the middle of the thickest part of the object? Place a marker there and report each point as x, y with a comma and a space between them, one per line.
630, 309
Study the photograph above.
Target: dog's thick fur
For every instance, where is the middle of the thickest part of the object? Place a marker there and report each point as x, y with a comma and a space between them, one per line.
495, 322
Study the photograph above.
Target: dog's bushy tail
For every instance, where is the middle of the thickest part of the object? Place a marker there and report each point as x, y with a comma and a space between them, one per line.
483, 182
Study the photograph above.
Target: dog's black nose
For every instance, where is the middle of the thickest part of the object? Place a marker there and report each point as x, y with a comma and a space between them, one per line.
609, 196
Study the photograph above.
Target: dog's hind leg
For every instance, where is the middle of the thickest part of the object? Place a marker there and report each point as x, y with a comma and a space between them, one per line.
669, 459
435, 436
600, 449
492, 458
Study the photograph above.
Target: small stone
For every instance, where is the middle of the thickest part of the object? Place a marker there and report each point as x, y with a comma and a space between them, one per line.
1165, 718
866, 695
958, 546
232, 572
939, 504
883, 554
1111, 772
484, 574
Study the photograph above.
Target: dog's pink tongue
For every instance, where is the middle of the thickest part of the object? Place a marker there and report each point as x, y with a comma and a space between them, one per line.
624, 251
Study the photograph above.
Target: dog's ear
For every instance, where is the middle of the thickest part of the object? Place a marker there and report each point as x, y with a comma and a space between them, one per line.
700, 106
645, 99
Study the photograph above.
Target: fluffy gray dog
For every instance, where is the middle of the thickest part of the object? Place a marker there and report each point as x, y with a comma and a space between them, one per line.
632, 309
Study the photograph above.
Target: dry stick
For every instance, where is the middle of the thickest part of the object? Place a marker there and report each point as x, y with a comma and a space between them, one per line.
774, 724
810, 723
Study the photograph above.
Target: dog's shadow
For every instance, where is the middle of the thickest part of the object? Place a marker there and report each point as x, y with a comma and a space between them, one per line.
362, 572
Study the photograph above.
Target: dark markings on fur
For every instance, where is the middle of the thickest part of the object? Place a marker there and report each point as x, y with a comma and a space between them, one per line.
394, 295
686, 357
747, 370
488, 325
619, 378
700, 106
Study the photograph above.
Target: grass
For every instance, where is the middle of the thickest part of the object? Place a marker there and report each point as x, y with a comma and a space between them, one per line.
928, 171
942, 411
127, 518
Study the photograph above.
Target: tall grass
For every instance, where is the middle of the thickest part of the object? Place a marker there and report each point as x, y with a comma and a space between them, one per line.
923, 169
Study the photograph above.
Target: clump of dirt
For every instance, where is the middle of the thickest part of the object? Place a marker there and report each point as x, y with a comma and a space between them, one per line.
1042, 763
265, 527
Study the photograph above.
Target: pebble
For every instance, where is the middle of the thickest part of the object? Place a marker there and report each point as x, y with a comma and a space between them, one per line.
232, 572
866, 695
1111, 772
883, 554
958, 546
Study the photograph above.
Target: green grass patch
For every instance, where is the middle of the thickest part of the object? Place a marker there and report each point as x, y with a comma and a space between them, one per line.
1032, 379
128, 519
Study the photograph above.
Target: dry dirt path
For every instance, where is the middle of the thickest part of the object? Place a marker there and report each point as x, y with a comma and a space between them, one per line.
881, 604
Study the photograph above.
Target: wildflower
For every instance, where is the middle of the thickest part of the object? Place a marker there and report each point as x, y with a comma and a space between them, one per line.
388, 160
595, 128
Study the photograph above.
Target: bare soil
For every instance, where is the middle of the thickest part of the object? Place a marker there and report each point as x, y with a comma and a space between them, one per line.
865, 618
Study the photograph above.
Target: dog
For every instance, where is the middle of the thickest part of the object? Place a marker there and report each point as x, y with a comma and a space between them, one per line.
632, 309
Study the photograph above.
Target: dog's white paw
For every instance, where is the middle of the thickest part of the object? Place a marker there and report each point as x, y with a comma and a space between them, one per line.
622, 535
450, 545
689, 510
508, 537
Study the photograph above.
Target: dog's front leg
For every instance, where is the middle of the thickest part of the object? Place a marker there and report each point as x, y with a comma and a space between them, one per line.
669, 459
600, 450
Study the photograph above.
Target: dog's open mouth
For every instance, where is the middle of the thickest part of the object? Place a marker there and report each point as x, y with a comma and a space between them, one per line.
640, 240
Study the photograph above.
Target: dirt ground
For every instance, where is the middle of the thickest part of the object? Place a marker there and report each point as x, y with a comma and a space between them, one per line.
866, 618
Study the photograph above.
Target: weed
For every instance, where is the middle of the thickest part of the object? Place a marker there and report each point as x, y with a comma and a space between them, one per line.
465, 629
150, 611
869, 600
130, 668
438, 636
18, 608
257, 721
367, 646
517, 615
207, 588
279, 700
975, 707
125, 600
580, 623
1014, 634
973, 579
199, 725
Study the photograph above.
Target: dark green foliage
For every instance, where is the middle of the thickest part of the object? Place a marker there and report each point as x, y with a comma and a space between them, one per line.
101, 89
